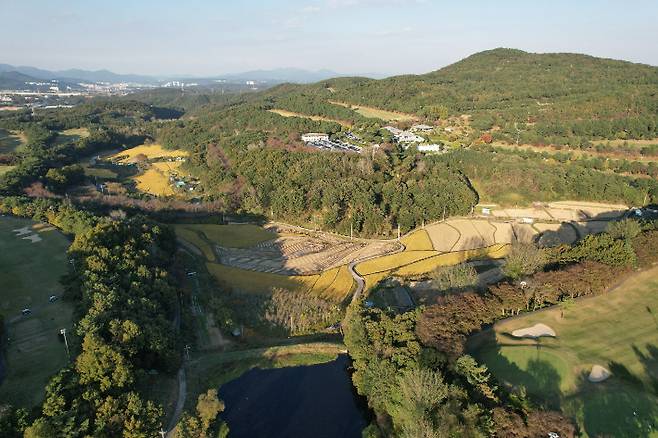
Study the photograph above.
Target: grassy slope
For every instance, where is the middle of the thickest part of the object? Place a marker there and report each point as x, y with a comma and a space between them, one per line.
618, 331
30, 274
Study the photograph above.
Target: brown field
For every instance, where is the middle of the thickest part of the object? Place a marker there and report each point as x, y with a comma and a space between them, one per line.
286, 113
579, 153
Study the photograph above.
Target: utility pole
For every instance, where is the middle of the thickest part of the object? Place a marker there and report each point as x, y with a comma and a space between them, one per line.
66, 342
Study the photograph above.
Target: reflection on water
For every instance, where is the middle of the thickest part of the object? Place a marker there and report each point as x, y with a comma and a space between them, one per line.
306, 401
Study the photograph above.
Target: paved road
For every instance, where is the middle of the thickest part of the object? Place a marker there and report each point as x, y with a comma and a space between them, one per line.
180, 402
360, 281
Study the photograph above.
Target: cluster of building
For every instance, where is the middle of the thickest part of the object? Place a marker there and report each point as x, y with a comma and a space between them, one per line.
409, 137
323, 142
401, 136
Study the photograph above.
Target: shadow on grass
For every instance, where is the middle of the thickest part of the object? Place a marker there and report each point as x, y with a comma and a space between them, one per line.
540, 379
612, 409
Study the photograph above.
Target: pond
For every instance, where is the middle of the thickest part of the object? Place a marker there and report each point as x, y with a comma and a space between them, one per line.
303, 401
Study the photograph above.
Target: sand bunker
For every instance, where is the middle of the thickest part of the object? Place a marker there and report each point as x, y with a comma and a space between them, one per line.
534, 332
598, 374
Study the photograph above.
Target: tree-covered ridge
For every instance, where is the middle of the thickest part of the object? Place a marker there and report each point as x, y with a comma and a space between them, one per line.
124, 301
556, 96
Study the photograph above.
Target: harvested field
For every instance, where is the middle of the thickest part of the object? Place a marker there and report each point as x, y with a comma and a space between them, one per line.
286, 113
466, 234
377, 113
524, 233
444, 237
554, 234
301, 254
563, 211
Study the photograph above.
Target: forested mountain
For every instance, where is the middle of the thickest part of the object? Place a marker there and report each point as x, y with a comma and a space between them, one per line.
546, 96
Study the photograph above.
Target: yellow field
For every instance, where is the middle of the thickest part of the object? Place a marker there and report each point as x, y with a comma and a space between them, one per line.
393, 261
155, 179
377, 113
151, 151
334, 284
286, 113
417, 241
80, 132
5, 169
452, 258
410, 263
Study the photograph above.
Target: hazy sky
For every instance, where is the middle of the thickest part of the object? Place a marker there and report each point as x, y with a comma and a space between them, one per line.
205, 37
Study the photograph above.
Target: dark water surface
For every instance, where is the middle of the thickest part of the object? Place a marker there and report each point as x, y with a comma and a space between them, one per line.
316, 401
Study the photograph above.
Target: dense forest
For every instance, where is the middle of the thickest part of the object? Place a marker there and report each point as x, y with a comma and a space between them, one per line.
125, 301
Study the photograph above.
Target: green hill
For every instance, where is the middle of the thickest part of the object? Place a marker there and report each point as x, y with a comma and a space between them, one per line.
547, 96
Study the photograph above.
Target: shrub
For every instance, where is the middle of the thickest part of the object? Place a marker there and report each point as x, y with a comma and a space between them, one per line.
625, 229
524, 259
446, 278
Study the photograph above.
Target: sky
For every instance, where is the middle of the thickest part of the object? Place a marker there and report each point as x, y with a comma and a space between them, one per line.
212, 37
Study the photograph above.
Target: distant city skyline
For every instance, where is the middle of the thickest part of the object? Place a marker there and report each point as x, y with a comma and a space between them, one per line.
385, 37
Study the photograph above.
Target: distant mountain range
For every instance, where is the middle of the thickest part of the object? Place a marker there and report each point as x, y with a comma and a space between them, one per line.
274, 76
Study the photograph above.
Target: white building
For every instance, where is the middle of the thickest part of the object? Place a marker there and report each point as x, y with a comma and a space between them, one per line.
393, 130
314, 136
430, 148
422, 128
408, 137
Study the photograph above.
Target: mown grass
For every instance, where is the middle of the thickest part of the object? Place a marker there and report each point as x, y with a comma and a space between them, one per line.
234, 235
30, 274
618, 330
